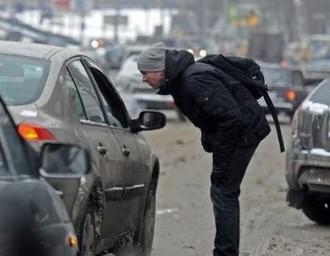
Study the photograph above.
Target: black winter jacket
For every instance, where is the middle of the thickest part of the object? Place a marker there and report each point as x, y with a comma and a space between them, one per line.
224, 110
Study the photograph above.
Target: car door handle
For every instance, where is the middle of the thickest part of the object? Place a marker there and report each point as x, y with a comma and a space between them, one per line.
102, 149
126, 151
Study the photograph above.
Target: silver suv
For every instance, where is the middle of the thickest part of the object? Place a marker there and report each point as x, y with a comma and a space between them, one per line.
308, 158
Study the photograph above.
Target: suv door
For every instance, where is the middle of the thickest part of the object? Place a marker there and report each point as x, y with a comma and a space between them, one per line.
132, 145
105, 150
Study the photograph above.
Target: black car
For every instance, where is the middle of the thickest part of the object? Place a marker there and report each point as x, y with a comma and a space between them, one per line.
286, 86
308, 158
33, 219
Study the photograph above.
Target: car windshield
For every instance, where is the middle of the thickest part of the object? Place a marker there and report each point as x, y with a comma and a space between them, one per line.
21, 79
276, 77
322, 94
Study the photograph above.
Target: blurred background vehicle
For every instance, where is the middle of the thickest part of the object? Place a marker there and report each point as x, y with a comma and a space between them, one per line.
99, 55
114, 54
138, 95
286, 86
308, 158
33, 219
317, 66
134, 49
60, 95
266, 46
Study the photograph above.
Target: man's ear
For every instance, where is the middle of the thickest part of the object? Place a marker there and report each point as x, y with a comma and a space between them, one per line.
162, 74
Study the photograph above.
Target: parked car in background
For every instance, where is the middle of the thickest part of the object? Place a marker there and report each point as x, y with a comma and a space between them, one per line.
308, 157
61, 95
99, 55
33, 219
286, 87
138, 95
130, 50
317, 70
317, 67
114, 55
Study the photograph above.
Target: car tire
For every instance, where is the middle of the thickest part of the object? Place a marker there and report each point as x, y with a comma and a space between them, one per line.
148, 225
87, 234
317, 210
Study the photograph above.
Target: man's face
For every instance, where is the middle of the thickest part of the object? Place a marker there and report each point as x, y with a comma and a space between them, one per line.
153, 78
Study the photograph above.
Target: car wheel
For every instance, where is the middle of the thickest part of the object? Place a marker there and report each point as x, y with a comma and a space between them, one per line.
148, 225
87, 234
317, 210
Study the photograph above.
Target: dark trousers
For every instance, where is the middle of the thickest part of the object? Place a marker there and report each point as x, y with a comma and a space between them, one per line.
225, 190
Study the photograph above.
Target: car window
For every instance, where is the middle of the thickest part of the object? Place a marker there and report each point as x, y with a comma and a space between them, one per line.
114, 107
276, 77
21, 79
87, 92
322, 94
12, 148
74, 95
111, 118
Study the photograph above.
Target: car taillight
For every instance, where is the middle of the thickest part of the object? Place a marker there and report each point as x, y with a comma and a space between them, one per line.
34, 132
290, 95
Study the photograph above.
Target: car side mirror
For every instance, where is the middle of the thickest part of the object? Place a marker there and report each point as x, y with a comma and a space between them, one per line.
64, 160
148, 120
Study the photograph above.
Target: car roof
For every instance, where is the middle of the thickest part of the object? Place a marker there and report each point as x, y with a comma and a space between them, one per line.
33, 50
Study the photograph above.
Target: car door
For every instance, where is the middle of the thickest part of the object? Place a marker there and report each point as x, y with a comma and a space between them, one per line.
105, 150
136, 166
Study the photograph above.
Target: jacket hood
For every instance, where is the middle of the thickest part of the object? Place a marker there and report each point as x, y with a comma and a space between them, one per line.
176, 62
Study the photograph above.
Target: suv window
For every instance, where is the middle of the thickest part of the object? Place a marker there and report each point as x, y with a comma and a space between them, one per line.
12, 148
113, 105
21, 79
87, 92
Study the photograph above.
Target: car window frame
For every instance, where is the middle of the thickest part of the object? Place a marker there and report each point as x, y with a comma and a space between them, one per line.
88, 121
66, 69
111, 89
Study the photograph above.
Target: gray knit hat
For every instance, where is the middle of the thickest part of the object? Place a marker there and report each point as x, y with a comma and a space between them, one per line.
153, 58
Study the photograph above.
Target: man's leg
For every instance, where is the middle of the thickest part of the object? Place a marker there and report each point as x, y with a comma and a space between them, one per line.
225, 191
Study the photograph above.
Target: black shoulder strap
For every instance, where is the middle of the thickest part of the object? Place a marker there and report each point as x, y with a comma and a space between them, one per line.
276, 122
